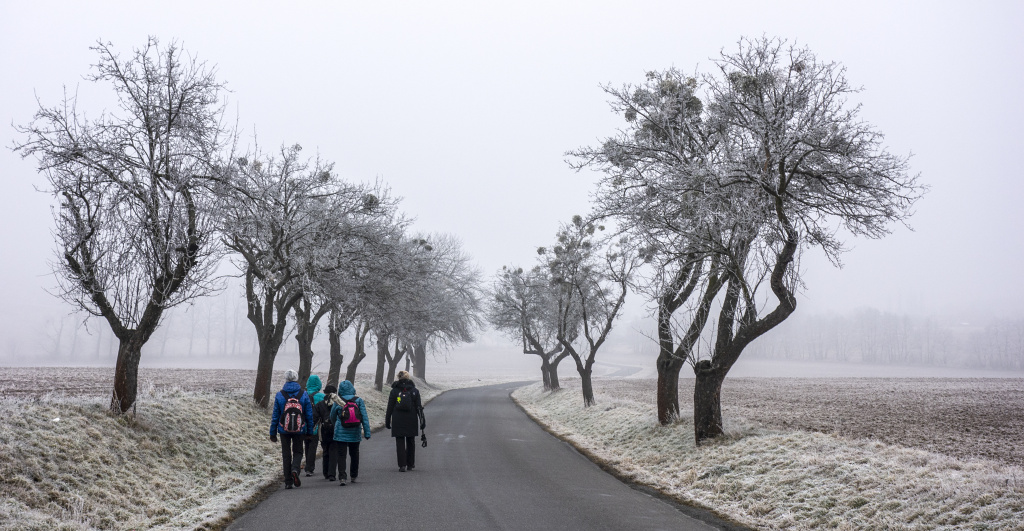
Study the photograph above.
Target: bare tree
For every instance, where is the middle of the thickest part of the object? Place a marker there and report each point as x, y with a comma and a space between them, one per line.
272, 210
525, 307
133, 222
594, 286
771, 162
449, 304
342, 257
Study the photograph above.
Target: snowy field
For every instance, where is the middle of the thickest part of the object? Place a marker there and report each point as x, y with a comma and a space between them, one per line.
802, 453
194, 450
816, 453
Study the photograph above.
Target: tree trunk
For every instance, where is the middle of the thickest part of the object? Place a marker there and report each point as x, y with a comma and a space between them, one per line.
668, 391
305, 340
707, 402
382, 358
668, 365
588, 387
545, 372
357, 356
304, 331
553, 376
419, 362
334, 337
126, 373
264, 373
393, 362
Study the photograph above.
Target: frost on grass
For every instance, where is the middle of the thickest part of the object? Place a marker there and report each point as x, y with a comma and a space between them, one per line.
183, 460
785, 480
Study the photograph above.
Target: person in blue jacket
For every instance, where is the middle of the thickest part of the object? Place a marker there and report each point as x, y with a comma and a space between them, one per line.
313, 386
293, 429
346, 439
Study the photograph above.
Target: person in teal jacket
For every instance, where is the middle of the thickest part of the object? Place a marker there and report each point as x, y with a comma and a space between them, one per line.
346, 439
313, 386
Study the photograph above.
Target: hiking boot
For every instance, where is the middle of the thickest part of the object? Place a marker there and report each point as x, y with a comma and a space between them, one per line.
296, 480
401, 469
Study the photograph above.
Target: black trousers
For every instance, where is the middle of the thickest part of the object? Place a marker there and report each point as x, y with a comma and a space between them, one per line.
339, 449
330, 464
291, 455
310, 447
406, 449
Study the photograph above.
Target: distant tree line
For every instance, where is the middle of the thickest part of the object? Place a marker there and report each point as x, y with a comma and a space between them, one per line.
873, 336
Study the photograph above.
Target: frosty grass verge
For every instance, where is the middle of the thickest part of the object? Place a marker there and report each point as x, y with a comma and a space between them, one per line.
184, 460
785, 480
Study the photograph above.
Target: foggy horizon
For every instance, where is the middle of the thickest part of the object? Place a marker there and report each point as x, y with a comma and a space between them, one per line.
466, 111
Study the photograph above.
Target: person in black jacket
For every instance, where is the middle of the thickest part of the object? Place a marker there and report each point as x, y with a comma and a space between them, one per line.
322, 418
405, 410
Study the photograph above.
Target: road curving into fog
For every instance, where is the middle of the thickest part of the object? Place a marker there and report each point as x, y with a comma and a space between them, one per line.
487, 466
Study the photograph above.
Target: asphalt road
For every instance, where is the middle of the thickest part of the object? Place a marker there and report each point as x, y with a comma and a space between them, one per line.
487, 466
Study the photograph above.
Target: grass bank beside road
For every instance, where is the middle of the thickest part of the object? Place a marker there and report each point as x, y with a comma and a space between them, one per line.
185, 459
771, 478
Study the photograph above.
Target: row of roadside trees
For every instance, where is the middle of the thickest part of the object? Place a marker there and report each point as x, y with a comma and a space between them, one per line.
154, 195
716, 184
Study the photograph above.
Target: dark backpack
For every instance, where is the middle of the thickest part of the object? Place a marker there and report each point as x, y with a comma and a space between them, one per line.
292, 420
323, 410
403, 401
350, 416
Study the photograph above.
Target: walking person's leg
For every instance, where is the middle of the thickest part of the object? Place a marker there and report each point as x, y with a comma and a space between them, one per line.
325, 448
310, 447
410, 452
286, 459
400, 450
336, 468
342, 464
353, 452
296, 463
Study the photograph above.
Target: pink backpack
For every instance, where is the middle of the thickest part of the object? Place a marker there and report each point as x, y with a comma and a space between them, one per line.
350, 417
292, 421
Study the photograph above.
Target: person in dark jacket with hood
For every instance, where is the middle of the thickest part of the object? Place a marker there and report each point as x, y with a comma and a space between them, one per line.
346, 438
322, 419
405, 411
313, 386
291, 443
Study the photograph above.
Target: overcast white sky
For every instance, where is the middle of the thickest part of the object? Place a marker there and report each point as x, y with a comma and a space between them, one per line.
466, 109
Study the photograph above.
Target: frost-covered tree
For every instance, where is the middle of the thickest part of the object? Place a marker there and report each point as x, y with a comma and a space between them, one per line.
338, 255
728, 178
273, 211
133, 222
355, 262
450, 308
434, 299
526, 307
593, 277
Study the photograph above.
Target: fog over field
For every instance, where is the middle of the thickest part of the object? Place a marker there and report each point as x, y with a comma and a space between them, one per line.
466, 110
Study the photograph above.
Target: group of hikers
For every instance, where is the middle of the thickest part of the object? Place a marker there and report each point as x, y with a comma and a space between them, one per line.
339, 417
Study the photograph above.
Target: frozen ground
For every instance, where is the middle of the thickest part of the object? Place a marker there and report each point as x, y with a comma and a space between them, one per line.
803, 452
194, 449
816, 453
